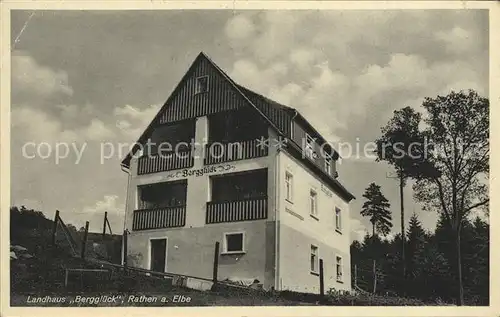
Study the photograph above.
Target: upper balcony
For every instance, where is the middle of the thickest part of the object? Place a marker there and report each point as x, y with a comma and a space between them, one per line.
169, 148
232, 136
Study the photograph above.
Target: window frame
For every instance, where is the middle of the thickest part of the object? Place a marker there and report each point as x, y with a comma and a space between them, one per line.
339, 277
314, 270
313, 193
224, 243
328, 164
309, 147
197, 90
338, 219
289, 186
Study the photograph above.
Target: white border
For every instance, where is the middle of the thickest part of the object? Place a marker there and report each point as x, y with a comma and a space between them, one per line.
7, 5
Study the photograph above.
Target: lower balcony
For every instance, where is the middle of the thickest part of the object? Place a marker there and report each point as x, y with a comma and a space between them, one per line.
236, 210
158, 218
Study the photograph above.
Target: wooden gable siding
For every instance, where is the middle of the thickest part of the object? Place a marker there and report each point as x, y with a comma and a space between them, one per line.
299, 137
221, 96
280, 117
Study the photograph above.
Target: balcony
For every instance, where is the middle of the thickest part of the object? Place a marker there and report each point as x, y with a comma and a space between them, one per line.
218, 152
236, 210
158, 218
164, 162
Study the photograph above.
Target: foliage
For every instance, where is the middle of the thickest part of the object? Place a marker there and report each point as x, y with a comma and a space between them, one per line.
448, 158
430, 261
377, 207
401, 142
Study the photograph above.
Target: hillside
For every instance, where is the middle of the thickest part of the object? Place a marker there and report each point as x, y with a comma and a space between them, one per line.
38, 273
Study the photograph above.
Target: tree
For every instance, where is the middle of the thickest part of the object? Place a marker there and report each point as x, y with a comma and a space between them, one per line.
416, 245
377, 207
451, 177
396, 146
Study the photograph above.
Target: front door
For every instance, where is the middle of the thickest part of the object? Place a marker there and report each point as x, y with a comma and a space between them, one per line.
158, 255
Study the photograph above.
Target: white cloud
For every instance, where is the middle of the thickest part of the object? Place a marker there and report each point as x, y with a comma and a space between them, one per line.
98, 131
457, 40
303, 58
358, 230
109, 203
47, 128
240, 27
131, 121
29, 77
95, 214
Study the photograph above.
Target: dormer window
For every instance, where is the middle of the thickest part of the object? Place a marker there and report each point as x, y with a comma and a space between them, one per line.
201, 85
309, 147
328, 164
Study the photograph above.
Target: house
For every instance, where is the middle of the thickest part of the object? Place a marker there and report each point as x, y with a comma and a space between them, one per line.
220, 163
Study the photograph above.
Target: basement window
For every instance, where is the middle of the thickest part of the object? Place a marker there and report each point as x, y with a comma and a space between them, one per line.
234, 243
339, 268
201, 85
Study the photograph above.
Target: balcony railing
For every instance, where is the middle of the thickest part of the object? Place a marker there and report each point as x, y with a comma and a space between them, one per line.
167, 217
218, 152
237, 210
164, 162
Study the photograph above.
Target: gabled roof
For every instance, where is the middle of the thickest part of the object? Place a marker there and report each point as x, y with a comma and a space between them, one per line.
251, 97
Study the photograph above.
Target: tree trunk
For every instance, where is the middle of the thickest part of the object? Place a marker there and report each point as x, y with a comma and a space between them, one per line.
373, 229
403, 234
374, 277
460, 299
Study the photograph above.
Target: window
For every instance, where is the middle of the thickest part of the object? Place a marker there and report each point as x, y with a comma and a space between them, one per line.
328, 165
339, 268
201, 84
234, 242
313, 198
289, 186
314, 259
338, 219
310, 147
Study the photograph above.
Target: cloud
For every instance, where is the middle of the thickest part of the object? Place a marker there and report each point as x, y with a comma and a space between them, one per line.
95, 214
239, 27
98, 131
132, 121
48, 129
358, 230
32, 79
457, 40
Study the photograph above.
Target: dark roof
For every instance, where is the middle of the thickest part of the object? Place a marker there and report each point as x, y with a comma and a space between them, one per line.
253, 98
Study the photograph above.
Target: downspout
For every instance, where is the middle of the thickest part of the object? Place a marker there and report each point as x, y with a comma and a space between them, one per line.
126, 170
276, 222
277, 204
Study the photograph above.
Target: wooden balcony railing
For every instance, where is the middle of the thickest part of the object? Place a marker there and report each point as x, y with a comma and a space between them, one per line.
217, 152
164, 162
167, 217
237, 210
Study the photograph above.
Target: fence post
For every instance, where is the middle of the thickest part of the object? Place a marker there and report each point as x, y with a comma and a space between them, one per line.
124, 248
216, 262
321, 278
84, 241
54, 227
104, 224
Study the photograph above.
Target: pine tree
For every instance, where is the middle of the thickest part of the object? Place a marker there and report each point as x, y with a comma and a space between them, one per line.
377, 207
415, 246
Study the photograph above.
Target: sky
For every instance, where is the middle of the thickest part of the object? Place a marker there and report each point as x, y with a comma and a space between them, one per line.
94, 78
